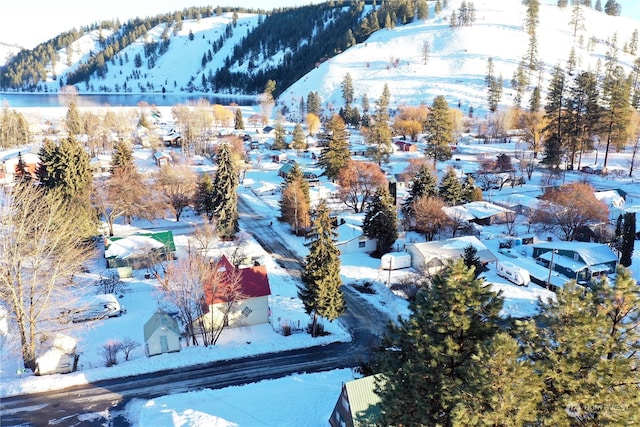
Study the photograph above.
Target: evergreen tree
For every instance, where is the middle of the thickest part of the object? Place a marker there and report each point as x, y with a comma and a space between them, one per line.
425, 358
423, 184
379, 135
470, 191
299, 140
494, 85
625, 237
613, 8
472, 260
23, 175
73, 120
64, 167
438, 7
279, 142
583, 111
314, 104
14, 129
493, 391
423, 10
122, 158
336, 155
225, 197
347, 89
64, 171
320, 290
238, 121
535, 102
633, 43
586, 350
450, 188
598, 5
203, 198
618, 112
381, 221
555, 114
439, 129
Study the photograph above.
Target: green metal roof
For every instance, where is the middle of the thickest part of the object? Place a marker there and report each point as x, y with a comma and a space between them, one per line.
363, 401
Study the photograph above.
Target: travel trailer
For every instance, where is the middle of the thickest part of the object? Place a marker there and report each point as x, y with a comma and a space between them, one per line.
395, 260
513, 273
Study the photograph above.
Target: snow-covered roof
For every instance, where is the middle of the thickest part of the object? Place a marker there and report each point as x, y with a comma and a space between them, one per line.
453, 248
513, 200
591, 253
611, 198
458, 213
482, 210
129, 246
347, 232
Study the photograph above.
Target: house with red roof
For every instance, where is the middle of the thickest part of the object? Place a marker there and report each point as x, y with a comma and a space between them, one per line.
240, 292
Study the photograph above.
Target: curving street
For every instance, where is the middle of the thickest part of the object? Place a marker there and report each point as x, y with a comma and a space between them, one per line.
104, 402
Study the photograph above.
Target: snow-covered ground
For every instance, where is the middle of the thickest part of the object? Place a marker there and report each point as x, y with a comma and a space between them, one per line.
142, 301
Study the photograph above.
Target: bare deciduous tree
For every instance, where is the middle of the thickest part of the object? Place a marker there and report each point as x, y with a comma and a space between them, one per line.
40, 251
358, 182
110, 283
223, 290
177, 183
568, 207
430, 217
183, 290
124, 194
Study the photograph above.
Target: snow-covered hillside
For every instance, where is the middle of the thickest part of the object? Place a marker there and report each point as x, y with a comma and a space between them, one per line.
458, 58
456, 67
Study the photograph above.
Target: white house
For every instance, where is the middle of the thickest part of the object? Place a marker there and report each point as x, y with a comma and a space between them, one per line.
161, 334
434, 256
352, 240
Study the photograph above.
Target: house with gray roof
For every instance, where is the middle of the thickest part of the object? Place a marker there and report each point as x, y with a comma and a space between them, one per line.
582, 261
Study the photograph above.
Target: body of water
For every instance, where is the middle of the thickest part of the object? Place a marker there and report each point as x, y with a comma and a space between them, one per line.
27, 100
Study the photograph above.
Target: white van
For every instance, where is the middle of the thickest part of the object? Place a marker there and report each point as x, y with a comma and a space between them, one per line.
95, 307
513, 273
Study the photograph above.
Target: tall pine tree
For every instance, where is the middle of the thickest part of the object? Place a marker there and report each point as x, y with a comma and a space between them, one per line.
64, 170
423, 183
425, 357
203, 198
225, 196
320, 290
336, 155
450, 188
439, 131
381, 221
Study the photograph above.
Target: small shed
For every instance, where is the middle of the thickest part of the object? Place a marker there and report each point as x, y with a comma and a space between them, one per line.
162, 158
161, 334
